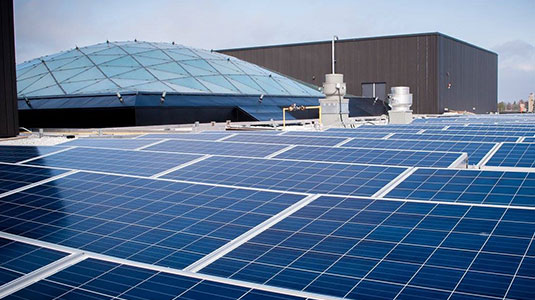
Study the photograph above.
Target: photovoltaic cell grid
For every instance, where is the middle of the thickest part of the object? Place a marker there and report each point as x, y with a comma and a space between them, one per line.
217, 148
13, 154
297, 176
520, 155
481, 132
375, 129
152, 221
366, 249
355, 134
468, 186
14, 177
529, 140
286, 140
527, 129
187, 136
96, 279
115, 161
476, 151
453, 137
117, 143
18, 259
372, 156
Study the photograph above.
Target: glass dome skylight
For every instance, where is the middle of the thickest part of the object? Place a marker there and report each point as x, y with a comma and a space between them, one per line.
112, 67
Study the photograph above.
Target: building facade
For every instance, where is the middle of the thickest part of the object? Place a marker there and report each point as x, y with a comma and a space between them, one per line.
442, 72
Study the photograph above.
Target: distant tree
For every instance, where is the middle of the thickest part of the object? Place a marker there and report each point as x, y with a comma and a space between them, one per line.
509, 106
501, 106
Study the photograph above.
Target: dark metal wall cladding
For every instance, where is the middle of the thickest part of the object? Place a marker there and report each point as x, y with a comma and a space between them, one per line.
410, 60
473, 74
8, 89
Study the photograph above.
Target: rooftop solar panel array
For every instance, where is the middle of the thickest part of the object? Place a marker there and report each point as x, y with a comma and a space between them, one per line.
13, 154
372, 156
210, 136
361, 248
13, 177
124, 143
346, 134
475, 150
217, 148
157, 222
287, 140
96, 279
454, 137
374, 212
18, 259
115, 161
297, 176
521, 155
468, 186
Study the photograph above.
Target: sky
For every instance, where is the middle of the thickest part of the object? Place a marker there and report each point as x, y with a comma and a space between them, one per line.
505, 27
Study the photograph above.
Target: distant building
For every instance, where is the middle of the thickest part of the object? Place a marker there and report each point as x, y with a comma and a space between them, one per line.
442, 72
143, 83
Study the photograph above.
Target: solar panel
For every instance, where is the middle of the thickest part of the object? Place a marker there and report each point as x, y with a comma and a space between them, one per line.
375, 129
353, 134
529, 140
363, 248
217, 148
120, 143
13, 154
152, 221
372, 156
286, 139
297, 176
18, 259
210, 136
468, 186
519, 155
115, 161
97, 279
475, 150
453, 137
481, 132
13, 177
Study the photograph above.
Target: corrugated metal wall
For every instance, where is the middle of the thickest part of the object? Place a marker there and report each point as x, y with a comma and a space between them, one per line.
8, 92
472, 73
409, 60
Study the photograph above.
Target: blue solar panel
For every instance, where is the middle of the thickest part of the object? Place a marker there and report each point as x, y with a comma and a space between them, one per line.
115, 161
152, 221
524, 128
520, 155
96, 279
317, 140
117, 143
217, 148
476, 151
295, 176
354, 134
375, 129
361, 248
18, 259
372, 156
453, 137
13, 154
480, 132
14, 177
468, 186
211, 136
529, 140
